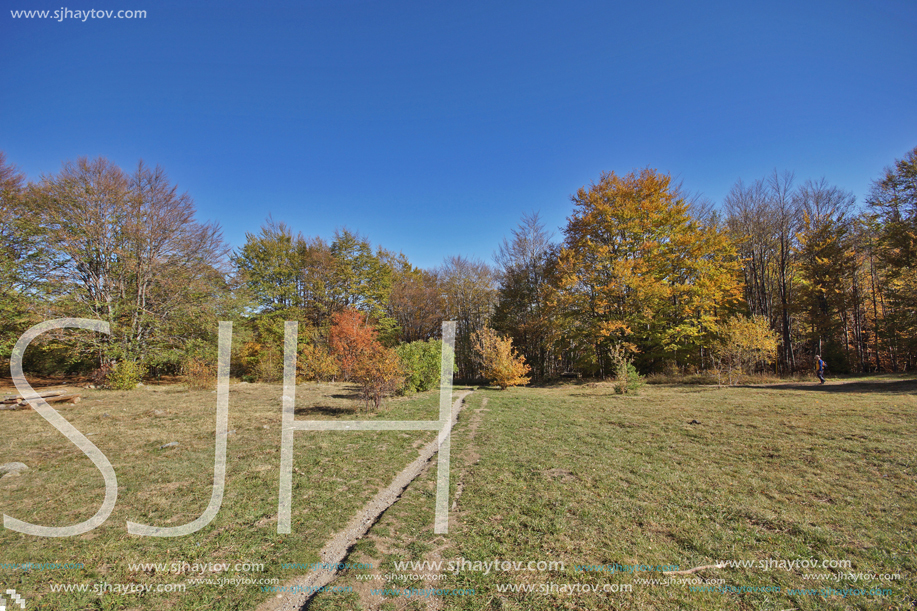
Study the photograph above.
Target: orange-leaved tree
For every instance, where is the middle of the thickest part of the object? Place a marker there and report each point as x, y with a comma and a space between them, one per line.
363, 359
496, 355
317, 363
379, 373
351, 336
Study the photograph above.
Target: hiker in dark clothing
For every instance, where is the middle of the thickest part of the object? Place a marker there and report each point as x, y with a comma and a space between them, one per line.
820, 368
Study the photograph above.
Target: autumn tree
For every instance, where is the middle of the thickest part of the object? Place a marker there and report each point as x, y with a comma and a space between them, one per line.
350, 339
763, 220
380, 373
893, 201
498, 359
744, 344
750, 221
827, 268
363, 359
637, 270
416, 304
317, 363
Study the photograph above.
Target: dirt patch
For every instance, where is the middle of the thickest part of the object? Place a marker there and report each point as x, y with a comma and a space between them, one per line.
563, 474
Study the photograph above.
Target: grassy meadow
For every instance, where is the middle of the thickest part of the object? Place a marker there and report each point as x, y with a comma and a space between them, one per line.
674, 475
581, 475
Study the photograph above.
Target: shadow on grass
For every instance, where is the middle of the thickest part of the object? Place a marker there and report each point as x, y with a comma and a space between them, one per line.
325, 410
838, 386
351, 395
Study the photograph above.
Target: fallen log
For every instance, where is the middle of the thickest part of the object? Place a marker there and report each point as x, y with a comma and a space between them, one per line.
22, 404
43, 395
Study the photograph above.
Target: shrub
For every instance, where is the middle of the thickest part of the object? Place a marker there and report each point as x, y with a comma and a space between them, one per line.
124, 375
200, 373
363, 359
269, 367
317, 363
245, 359
421, 363
627, 379
379, 374
350, 337
502, 366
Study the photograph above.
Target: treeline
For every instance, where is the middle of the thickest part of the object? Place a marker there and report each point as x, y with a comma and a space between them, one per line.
641, 272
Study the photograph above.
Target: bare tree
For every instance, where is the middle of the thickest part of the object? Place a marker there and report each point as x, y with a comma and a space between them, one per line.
786, 215
523, 268
469, 291
135, 255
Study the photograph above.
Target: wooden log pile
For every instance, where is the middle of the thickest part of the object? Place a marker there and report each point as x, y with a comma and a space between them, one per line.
52, 396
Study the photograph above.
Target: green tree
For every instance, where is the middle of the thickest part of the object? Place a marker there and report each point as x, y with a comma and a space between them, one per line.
270, 263
133, 255
421, 362
25, 261
364, 279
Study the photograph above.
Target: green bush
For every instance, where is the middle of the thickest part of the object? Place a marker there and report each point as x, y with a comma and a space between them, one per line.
124, 375
421, 362
628, 380
626, 377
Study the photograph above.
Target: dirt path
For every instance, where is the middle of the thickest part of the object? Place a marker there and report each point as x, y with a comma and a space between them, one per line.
470, 455
299, 589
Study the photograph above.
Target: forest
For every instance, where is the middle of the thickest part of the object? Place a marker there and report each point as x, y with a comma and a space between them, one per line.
642, 273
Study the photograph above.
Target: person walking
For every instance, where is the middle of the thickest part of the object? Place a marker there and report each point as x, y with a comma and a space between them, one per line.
820, 368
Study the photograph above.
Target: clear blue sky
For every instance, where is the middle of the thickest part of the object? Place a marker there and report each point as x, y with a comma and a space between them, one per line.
432, 127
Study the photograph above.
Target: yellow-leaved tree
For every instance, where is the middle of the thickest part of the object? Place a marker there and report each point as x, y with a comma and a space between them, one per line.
496, 355
745, 344
642, 268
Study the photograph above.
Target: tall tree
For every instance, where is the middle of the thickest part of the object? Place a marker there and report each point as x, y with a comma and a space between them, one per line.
270, 263
524, 265
636, 270
827, 266
893, 199
763, 220
786, 220
134, 256
469, 289
364, 278
416, 304
25, 260
750, 220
